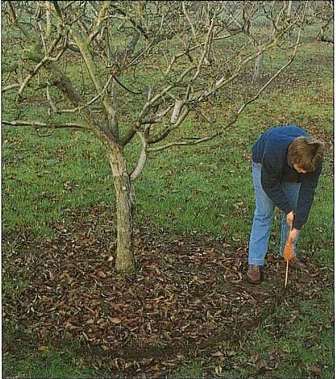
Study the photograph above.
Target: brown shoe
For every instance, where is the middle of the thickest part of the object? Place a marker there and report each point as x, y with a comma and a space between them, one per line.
255, 274
297, 264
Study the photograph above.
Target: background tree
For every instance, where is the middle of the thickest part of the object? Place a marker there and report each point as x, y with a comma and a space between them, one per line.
323, 12
192, 51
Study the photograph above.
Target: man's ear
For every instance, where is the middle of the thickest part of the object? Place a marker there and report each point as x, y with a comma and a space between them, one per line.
318, 152
318, 146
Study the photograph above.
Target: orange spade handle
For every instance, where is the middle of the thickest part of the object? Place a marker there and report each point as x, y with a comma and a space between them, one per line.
288, 252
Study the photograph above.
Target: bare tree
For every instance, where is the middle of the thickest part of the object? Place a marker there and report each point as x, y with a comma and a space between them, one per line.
190, 51
325, 15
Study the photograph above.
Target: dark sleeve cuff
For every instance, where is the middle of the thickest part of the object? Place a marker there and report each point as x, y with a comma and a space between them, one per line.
298, 225
287, 210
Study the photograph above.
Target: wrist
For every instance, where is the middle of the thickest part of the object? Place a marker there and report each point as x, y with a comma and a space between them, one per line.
297, 227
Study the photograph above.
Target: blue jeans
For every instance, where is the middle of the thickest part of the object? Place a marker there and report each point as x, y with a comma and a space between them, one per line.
263, 218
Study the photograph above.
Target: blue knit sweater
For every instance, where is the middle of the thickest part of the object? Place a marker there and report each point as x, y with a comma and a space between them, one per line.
271, 151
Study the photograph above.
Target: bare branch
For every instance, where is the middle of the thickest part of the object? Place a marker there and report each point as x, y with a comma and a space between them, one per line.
124, 87
273, 77
176, 112
169, 129
169, 90
43, 61
197, 140
129, 136
110, 113
163, 92
42, 38
38, 124
153, 120
52, 104
142, 159
12, 12
189, 21
141, 54
224, 80
58, 9
14, 20
157, 117
93, 100
48, 8
160, 136
205, 51
130, 19
10, 87
100, 18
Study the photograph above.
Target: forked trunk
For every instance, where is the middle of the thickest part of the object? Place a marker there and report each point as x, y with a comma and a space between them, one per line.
124, 255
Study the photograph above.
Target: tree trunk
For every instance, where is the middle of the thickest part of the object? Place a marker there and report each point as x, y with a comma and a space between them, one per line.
257, 68
123, 189
289, 8
48, 18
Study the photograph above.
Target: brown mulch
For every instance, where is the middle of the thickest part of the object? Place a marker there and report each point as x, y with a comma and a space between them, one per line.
188, 295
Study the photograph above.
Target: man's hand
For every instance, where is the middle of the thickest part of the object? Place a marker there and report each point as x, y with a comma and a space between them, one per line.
290, 219
293, 235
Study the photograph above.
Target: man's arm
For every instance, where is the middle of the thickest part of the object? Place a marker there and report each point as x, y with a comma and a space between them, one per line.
306, 197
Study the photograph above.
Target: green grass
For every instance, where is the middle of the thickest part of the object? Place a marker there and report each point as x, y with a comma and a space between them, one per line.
191, 369
47, 364
205, 189
301, 340
306, 343
51, 174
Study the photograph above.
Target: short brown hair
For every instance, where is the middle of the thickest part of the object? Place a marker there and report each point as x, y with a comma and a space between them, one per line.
307, 152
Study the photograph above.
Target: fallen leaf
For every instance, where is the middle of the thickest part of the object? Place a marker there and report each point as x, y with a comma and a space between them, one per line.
217, 354
115, 320
101, 274
316, 370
